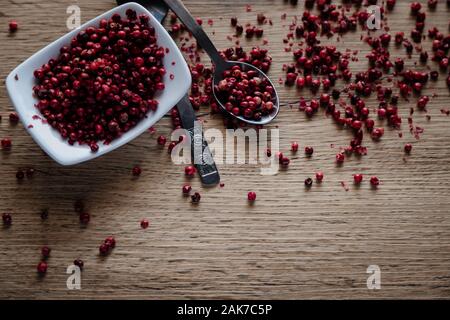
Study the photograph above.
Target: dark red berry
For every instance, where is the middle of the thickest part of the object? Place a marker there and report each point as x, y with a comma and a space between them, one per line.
7, 219
144, 223
85, 218
162, 140
319, 176
308, 182
294, 147
408, 147
13, 26
186, 189
309, 151
190, 171
195, 198
20, 175
374, 181
136, 171
42, 267
340, 157
357, 178
6, 144
45, 252
79, 263
251, 196
13, 117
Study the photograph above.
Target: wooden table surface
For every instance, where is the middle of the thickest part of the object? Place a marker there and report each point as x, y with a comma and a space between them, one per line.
291, 244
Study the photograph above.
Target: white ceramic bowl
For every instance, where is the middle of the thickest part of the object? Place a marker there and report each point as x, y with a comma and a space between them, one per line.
49, 139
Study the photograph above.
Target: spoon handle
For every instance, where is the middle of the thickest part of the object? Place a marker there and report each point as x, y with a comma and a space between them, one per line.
197, 31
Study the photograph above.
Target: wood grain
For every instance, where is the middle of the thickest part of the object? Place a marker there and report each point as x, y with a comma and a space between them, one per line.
291, 244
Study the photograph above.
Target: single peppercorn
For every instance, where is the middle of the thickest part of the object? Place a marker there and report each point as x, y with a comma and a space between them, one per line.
408, 147
7, 219
13, 26
136, 171
42, 267
45, 251
144, 223
374, 181
357, 178
251, 196
319, 176
186, 190
79, 263
308, 182
195, 198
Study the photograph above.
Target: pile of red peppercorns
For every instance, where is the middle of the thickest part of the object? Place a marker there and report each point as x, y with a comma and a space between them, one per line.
103, 83
244, 93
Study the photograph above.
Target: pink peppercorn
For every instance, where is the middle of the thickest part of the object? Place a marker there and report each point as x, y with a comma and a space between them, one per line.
42, 267
358, 178
374, 181
6, 144
136, 171
162, 140
408, 147
190, 171
7, 219
186, 190
144, 223
45, 251
319, 176
294, 147
251, 196
13, 26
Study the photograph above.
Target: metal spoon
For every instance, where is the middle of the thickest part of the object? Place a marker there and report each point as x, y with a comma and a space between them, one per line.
221, 64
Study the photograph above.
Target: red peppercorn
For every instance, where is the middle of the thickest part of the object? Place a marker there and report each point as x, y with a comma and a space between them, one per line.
85, 217
136, 171
319, 176
6, 144
7, 219
251, 196
294, 146
415, 7
162, 140
13, 26
144, 223
374, 181
111, 242
308, 182
357, 178
309, 151
42, 267
340, 157
13, 118
377, 133
45, 252
104, 249
408, 147
186, 190
190, 171
195, 198
79, 263
20, 175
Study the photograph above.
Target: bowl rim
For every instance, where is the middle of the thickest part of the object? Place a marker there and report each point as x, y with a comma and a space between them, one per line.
51, 148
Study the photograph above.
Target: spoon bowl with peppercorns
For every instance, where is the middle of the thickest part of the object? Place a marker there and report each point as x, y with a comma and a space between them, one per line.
240, 89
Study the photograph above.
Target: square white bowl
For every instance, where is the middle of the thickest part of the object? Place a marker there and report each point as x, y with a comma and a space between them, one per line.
21, 93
